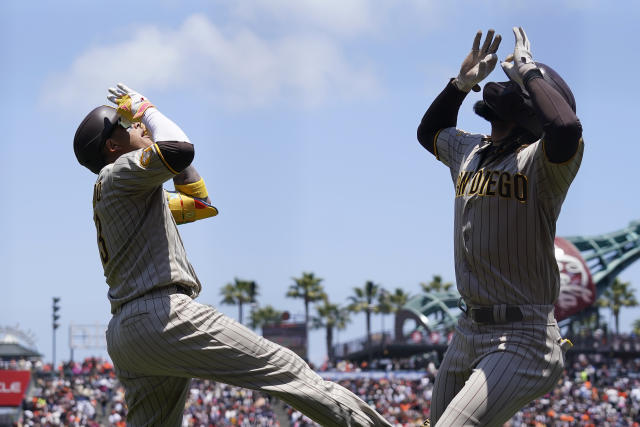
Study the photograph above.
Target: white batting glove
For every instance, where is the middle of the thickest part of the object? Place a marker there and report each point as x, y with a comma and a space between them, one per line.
130, 104
517, 64
478, 63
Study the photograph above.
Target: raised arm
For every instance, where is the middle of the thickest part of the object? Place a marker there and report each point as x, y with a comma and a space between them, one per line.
175, 149
190, 202
443, 112
562, 128
555, 110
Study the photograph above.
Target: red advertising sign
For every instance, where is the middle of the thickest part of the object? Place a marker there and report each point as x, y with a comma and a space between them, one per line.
577, 290
13, 386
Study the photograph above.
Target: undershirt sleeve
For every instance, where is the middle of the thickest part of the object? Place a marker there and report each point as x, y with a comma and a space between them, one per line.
562, 128
177, 154
442, 113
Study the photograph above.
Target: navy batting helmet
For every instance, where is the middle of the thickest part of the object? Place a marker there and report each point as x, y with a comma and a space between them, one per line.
509, 102
91, 136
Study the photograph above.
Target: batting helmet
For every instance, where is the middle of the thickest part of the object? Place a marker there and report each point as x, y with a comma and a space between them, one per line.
509, 102
91, 136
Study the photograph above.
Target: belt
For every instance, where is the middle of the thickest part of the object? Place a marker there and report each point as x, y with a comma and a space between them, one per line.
172, 289
492, 315
183, 290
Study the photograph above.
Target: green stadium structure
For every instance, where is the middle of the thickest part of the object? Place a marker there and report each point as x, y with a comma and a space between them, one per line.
425, 313
604, 256
608, 254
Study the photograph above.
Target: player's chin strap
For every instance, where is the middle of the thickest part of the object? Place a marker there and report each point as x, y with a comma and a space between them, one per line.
187, 203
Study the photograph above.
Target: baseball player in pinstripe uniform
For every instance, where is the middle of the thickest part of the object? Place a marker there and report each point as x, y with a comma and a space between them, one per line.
509, 187
159, 337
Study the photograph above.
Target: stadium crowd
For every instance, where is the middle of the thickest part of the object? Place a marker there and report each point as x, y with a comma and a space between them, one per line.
598, 389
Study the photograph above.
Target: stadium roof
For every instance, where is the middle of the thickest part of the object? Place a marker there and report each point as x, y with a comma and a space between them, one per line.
13, 350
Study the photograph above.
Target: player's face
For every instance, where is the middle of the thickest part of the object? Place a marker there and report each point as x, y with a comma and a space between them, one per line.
124, 140
132, 138
138, 136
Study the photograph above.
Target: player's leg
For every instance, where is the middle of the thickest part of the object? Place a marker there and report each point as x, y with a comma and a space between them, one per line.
503, 382
451, 377
154, 400
180, 337
226, 351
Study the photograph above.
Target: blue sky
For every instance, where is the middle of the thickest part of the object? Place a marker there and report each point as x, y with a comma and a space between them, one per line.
303, 115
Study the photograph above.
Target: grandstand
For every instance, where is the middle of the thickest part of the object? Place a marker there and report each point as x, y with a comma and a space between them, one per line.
601, 387
394, 374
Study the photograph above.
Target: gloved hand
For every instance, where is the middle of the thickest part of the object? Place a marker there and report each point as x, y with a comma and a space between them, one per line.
517, 64
185, 208
131, 104
478, 63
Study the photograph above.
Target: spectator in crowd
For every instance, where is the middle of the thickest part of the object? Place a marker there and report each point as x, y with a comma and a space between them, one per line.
599, 388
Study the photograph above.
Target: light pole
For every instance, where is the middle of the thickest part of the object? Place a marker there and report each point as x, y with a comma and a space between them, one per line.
55, 316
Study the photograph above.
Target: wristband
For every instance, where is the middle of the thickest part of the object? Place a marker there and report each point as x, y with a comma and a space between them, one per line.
533, 73
194, 189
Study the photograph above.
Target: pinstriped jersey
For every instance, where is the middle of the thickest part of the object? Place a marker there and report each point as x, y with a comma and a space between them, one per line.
505, 219
138, 240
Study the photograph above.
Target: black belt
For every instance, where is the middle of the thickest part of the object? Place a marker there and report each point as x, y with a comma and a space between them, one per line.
487, 315
183, 290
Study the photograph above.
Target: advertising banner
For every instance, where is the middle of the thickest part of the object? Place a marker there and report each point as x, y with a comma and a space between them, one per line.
577, 290
13, 386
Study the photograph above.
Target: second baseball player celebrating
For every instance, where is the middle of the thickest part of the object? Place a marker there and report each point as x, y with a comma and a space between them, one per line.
509, 188
159, 337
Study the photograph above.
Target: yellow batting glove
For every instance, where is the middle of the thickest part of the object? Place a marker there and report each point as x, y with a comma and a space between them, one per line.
186, 209
130, 104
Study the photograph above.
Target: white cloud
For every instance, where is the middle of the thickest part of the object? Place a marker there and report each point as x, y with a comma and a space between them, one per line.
332, 16
241, 68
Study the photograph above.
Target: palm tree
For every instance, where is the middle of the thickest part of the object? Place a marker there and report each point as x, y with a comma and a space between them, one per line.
330, 316
264, 316
309, 289
391, 302
436, 284
636, 326
384, 305
619, 294
363, 301
398, 299
239, 292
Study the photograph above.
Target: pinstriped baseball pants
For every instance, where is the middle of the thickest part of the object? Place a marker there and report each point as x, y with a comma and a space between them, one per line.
158, 342
490, 372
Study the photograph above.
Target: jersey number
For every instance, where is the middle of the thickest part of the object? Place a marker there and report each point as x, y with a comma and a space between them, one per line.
102, 245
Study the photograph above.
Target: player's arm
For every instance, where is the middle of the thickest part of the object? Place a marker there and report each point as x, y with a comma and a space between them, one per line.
443, 112
190, 182
190, 202
171, 153
562, 128
174, 145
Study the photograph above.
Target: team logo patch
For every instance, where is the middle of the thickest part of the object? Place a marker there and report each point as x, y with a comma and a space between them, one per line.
145, 157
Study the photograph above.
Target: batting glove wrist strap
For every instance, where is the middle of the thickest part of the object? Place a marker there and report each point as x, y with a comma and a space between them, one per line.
533, 73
